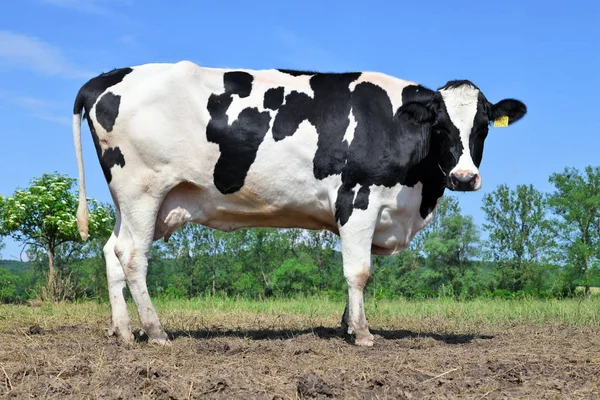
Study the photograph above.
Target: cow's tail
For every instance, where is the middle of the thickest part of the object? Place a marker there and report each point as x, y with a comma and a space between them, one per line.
82, 209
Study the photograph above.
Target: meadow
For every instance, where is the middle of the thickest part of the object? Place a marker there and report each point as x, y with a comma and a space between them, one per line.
225, 347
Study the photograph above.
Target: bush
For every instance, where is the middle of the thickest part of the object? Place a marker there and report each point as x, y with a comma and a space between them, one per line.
296, 276
8, 286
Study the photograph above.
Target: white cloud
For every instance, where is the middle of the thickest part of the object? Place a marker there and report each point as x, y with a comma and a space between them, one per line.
97, 7
46, 110
57, 119
103, 8
29, 102
30, 53
80, 5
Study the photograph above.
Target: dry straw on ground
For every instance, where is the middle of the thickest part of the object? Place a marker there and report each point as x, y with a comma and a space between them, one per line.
234, 354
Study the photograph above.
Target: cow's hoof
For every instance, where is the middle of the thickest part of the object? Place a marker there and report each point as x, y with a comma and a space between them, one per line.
160, 342
365, 340
123, 335
347, 329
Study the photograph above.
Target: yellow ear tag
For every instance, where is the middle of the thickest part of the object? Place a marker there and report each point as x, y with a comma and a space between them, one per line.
501, 122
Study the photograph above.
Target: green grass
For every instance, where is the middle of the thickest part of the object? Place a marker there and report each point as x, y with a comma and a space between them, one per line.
442, 315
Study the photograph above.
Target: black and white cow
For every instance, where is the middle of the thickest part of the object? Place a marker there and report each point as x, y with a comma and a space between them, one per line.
364, 155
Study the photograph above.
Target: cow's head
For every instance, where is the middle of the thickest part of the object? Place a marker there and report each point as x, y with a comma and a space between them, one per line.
459, 116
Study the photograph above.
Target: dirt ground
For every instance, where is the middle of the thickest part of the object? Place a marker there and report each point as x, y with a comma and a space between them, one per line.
79, 361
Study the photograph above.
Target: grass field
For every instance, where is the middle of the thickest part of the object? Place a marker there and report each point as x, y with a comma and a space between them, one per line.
447, 314
291, 348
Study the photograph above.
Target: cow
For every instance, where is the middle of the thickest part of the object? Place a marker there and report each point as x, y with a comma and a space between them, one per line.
364, 155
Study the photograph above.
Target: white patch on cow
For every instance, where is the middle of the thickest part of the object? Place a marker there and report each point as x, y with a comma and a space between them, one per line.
274, 78
400, 218
461, 104
255, 100
349, 135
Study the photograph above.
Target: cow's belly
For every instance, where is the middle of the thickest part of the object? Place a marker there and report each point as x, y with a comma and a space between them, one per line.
247, 208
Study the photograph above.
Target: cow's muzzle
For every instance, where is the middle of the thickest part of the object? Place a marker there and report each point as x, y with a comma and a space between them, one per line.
464, 181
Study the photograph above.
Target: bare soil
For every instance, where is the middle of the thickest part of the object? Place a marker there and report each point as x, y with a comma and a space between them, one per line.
79, 361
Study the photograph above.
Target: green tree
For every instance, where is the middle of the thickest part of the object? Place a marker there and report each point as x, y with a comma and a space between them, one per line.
42, 217
265, 249
401, 274
296, 276
202, 256
451, 244
182, 246
576, 201
320, 246
520, 235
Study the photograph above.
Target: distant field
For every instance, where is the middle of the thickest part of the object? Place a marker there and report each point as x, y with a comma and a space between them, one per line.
594, 291
236, 348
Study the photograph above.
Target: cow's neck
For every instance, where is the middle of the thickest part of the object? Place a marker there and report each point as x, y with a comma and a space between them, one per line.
429, 173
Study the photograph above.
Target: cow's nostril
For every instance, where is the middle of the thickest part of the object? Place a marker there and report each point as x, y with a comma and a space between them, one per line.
454, 179
473, 181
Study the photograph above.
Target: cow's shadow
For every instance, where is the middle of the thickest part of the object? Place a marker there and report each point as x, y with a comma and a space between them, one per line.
322, 333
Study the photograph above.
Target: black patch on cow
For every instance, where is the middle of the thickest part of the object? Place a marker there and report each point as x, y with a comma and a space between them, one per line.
106, 113
330, 110
428, 173
238, 82
89, 93
238, 141
273, 98
110, 157
417, 93
294, 72
107, 110
343, 204
296, 109
458, 83
384, 148
447, 136
362, 198
480, 129
238, 151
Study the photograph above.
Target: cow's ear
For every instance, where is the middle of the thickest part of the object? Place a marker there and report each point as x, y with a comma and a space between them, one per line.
415, 112
507, 111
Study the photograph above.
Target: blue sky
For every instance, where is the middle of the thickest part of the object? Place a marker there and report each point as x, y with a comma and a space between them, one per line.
546, 55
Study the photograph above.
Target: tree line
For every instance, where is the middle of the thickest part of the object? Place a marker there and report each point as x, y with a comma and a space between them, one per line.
532, 243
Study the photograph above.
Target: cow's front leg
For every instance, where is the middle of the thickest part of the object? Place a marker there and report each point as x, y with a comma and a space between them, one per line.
356, 255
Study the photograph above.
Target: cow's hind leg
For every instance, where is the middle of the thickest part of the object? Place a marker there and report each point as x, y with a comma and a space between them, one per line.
116, 290
138, 218
356, 240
